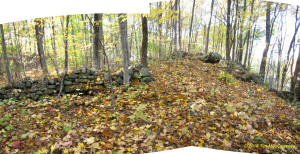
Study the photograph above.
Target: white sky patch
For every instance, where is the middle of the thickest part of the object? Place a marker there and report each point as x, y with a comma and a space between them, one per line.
17, 10
293, 2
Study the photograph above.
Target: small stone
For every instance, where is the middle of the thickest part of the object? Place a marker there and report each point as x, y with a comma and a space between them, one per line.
67, 83
51, 82
145, 72
77, 71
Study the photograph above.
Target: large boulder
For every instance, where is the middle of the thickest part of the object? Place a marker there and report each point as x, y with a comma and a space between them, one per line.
212, 57
145, 75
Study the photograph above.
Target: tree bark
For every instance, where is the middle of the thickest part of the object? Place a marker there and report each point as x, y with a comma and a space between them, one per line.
56, 66
285, 68
179, 26
39, 33
6, 62
66, 33
268, 40
160, 31
144, 61
296, 90
209, 24
191, 26
228, 31
96, 41
124, 42
85, 40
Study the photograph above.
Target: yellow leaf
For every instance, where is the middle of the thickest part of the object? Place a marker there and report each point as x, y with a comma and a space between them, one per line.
80, 146
53, 148
90, 140
201, 143
258, 89
7, 148
66, 151
95, 146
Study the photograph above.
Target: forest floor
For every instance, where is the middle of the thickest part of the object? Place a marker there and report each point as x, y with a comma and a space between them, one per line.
189, 104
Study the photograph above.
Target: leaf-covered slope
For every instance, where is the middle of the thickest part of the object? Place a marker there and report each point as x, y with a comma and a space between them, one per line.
189, 103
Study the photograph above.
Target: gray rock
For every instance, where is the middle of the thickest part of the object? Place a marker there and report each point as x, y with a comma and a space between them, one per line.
145, 72
130, 70
212, 57
136, 75
72, 76
84, 81
51, 82
40, 93
84, 71
67, 83
119, 81
107, 76
119, 73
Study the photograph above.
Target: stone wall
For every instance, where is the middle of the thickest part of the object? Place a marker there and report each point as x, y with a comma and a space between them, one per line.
34, 89
79, 81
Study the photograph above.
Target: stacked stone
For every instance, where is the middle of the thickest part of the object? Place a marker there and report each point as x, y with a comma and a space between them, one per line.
35, 89
79, 81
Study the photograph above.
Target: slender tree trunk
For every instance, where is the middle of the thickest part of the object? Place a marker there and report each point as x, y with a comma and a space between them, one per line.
209, 24
296, 77
124, 43
54, 47
175, 26
19, 51
85, 40
6, 62
241, 47
251, 49
285, 68
66, 33
102, 46
39, 26
228, 31
179, 26
144, 42
90, 42
191, 26
160, 31
96, 42
268, 40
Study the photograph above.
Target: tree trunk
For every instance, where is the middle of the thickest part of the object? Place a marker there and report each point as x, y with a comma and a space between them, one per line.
179, 26
96, 41
54, 47
268, 40
209, 24
124, 43
191, 26
228, 30
85, 40
296, 77
102, 46
144, 42
285, 68
241, 47
91, 46
160, 31
39, 33
6, 62
66, 33
175, 26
